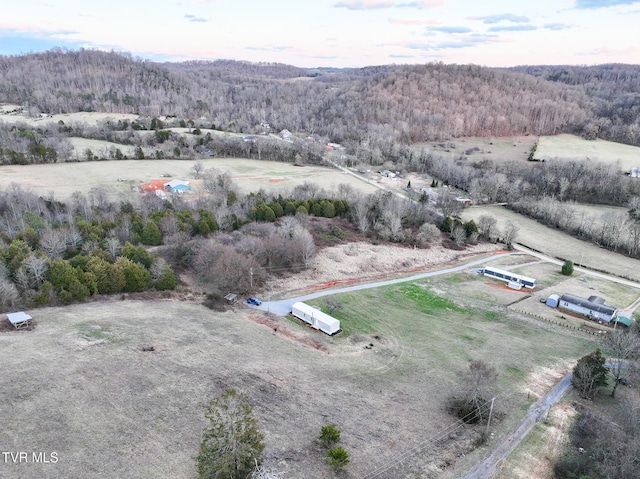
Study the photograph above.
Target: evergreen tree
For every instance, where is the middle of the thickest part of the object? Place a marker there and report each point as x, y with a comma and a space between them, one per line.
232, 444
151, 234
567, 268
590, 374
337, 457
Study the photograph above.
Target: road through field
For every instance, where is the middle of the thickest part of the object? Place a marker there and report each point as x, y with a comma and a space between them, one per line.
283, 307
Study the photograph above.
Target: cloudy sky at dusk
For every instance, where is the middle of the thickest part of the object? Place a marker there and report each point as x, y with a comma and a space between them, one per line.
339, 33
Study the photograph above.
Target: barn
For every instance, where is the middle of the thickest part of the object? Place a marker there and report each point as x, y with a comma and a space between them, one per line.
593, 310
512, 279
315, 318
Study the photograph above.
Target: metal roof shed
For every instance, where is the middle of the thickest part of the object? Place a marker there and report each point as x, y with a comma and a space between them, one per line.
623, 320
553, 300
20, 320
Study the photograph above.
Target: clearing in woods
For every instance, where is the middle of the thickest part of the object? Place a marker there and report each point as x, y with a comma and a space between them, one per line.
121, 178
571, 147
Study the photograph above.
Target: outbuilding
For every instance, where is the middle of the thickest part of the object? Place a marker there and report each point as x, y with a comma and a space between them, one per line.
595, 311
176, 186
315, 318
553, 300
19, 320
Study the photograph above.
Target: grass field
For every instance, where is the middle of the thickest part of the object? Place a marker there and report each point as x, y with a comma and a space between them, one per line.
82, 378
557, 244
476, 149
121, 178
575, 148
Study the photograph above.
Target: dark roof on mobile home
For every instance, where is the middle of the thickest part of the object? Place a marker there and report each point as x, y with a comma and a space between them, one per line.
585, 303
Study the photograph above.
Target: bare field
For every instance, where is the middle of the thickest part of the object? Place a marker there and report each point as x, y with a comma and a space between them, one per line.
88, 118
573, 147
121, 178
515, 148
81, 378
557, 244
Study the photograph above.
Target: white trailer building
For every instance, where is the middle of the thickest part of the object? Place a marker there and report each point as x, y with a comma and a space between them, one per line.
509, 277
592, 310
315, 318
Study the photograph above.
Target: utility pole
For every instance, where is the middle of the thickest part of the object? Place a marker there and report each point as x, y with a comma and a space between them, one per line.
251, 277
489, 420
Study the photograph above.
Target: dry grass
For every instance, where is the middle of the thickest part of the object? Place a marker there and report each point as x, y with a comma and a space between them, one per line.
557, 244
81, 385
122, 178
572, 147
357, 262
516, 148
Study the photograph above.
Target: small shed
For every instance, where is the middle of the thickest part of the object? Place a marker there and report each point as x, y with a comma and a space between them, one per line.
553, 300
19, 320
623, 320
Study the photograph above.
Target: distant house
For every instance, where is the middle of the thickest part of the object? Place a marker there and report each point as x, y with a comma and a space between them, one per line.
596, 311
285, 134
154, 185
176, 186
387, 173
464, 201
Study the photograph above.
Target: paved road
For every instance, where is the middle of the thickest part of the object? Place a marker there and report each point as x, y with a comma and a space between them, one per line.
537, 412
283, 307
550, 259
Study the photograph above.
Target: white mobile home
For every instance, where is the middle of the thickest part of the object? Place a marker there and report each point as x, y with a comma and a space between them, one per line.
509, 277
316, 318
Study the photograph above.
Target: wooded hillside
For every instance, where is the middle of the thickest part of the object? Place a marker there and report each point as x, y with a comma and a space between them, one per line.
372, 106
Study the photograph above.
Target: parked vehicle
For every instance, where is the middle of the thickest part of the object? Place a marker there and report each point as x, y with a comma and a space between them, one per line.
254, 301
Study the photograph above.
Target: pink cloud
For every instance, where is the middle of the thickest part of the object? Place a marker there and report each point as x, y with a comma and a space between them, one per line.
377, 4
405, 21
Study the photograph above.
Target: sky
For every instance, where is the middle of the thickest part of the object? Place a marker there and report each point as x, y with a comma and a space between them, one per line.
333, 33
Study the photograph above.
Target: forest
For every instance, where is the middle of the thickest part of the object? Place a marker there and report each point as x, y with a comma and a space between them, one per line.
376, 108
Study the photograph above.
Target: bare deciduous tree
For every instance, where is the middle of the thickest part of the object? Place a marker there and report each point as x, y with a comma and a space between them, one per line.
510, 233
428, 233
620, 346
53, 243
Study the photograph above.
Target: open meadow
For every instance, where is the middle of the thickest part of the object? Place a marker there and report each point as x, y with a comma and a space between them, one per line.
123, 178
477, 149
80, 384
571, 147
557, 244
